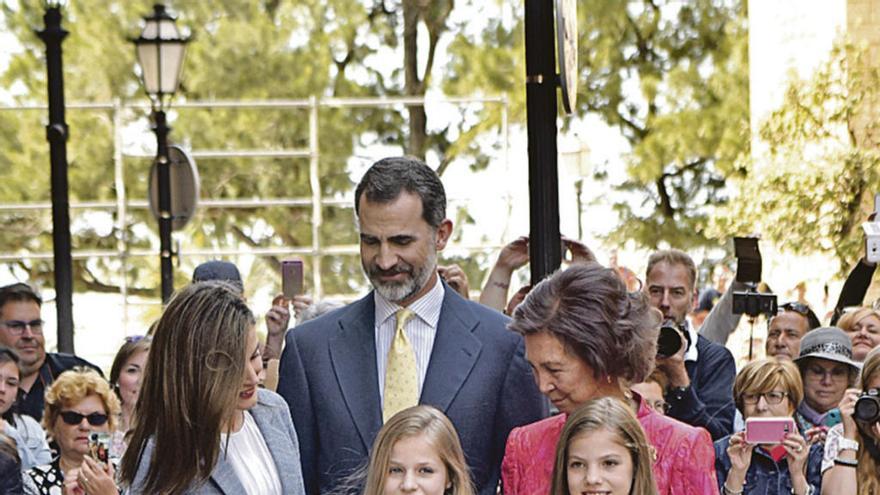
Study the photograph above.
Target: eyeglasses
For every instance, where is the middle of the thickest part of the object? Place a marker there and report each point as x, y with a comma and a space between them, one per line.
74, 418
771, 398
819, 373
16, 327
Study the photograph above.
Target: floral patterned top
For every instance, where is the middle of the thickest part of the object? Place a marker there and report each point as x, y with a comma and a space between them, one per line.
47, 478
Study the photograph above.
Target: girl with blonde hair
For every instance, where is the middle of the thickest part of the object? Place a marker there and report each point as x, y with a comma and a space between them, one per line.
603, 438
418, 448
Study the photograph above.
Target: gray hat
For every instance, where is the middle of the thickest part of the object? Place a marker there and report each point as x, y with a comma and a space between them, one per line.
218, 270
829, 343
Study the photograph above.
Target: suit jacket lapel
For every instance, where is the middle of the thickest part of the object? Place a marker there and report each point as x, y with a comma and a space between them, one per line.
353, 354
454, 354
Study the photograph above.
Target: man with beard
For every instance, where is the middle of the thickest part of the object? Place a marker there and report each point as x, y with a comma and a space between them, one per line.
412, 340
21, 328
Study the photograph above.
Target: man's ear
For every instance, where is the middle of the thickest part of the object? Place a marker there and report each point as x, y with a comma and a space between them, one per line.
444, 230
695, 301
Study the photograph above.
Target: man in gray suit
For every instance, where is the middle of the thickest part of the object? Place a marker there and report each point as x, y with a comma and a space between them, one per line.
412, 340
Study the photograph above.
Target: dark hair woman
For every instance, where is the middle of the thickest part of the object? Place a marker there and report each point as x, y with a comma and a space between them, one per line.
851, 462
201, 424
586, 337
28, 435
125, 376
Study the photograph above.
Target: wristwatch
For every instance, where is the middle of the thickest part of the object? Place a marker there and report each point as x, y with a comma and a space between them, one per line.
847, 444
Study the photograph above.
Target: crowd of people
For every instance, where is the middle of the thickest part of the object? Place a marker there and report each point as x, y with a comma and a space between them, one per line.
560, 388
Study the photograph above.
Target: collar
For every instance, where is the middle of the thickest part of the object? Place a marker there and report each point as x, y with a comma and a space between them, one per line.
691, 354
427, 307
811, 415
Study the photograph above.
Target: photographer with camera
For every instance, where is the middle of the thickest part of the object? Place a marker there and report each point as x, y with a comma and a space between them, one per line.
700, 372
851, 463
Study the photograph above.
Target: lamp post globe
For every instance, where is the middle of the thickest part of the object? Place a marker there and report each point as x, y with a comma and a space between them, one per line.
160, 50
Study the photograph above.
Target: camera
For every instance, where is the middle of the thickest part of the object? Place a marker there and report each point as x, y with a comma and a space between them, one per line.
867, 409
872, 233
748, 271
669, 339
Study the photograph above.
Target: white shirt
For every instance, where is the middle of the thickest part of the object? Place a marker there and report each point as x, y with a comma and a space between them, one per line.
420, 329
250, 459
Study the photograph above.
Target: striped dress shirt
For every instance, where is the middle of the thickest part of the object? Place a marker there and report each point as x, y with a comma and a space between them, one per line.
420, 330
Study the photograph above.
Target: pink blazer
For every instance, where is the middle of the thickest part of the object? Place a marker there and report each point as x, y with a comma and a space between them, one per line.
685, 462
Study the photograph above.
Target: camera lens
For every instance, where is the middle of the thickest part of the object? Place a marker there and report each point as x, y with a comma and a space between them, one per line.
669, 339
867, 409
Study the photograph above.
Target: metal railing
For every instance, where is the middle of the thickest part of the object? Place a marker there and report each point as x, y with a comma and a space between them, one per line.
123, 204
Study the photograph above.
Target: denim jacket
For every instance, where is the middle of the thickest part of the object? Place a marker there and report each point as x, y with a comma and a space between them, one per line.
766, 476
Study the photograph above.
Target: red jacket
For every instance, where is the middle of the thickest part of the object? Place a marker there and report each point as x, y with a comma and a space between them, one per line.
685, 462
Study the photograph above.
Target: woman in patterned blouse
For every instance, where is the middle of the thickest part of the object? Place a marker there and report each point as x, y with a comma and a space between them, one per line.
78, 403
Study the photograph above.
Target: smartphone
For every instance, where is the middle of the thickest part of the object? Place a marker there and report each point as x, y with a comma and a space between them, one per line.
832, 417
768, 430
99, 446
291, 278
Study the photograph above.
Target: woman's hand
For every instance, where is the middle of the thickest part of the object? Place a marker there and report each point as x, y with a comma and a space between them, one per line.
847, 407
97, 478
514, 255
71, 484
797, 450
816, 434
740, 453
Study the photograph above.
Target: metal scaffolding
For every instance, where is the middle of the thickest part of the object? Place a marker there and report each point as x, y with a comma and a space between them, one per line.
123, 204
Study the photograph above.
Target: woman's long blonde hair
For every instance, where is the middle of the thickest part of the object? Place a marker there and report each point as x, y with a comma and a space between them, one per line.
868, 472
438, 430
190, 387
612, 415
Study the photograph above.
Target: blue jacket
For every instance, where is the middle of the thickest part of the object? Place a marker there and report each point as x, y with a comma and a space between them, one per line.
708, 401
477, 375
766, 476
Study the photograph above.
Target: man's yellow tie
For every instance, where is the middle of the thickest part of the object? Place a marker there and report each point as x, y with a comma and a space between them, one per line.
401, 374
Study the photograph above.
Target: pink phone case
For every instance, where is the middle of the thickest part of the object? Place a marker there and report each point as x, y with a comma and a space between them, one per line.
768, 430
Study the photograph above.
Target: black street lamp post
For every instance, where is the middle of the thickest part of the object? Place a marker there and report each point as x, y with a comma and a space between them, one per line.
545, 250
56, 133
160, 51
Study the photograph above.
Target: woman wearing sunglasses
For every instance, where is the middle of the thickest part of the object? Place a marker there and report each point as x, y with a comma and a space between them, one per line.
78, 403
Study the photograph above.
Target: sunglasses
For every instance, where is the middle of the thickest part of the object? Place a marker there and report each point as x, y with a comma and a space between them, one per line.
74, 418
797, 307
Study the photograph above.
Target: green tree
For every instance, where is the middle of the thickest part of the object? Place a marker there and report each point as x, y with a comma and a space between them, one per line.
241, 50
672, 76
811, 188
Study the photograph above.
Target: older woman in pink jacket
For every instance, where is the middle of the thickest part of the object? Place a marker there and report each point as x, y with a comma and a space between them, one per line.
586, 337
